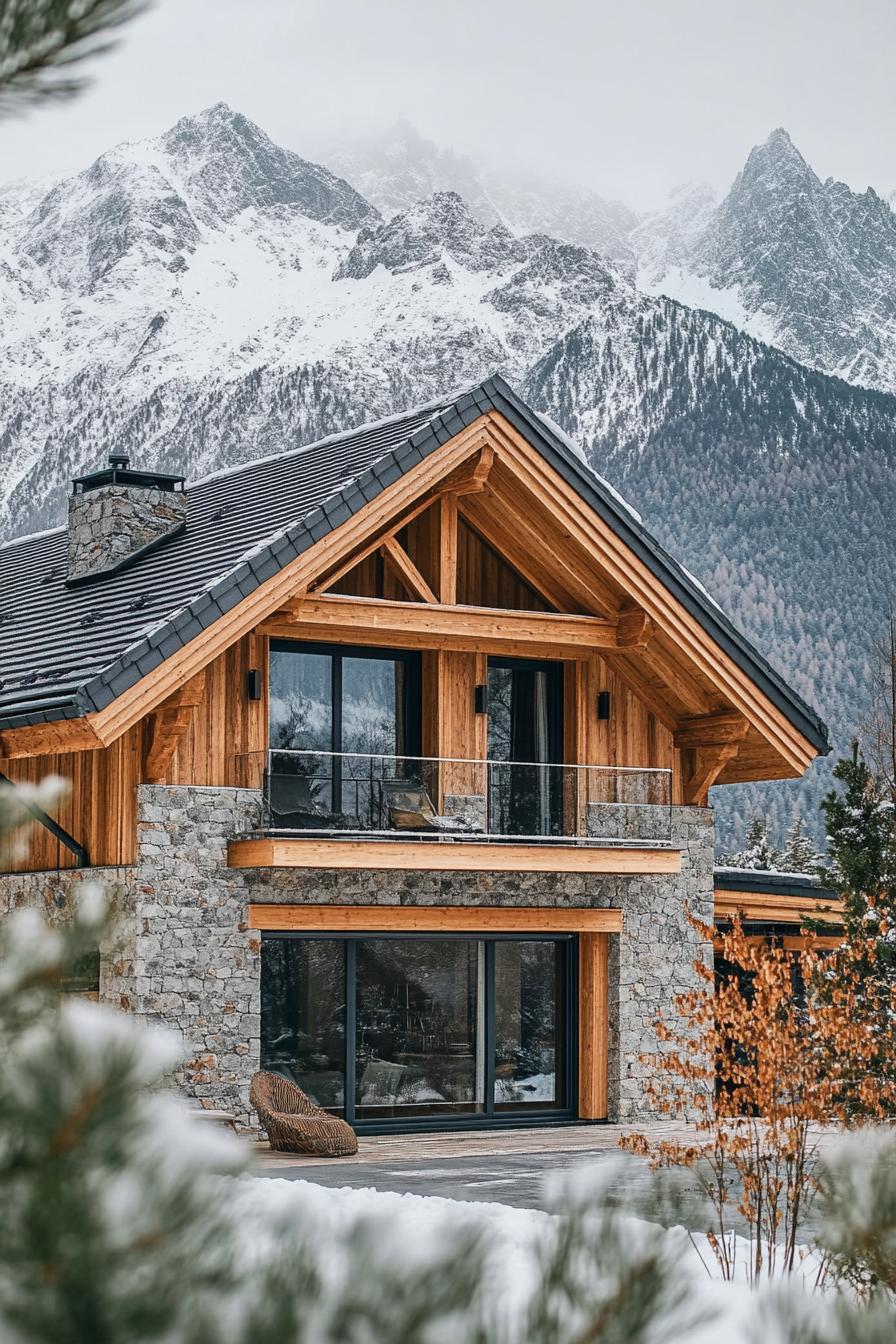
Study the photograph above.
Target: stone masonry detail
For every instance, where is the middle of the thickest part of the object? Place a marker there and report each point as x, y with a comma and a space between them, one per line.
186, 959
111, 523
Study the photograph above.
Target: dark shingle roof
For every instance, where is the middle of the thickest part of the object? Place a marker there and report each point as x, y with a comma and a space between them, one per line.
767, 882
67, 651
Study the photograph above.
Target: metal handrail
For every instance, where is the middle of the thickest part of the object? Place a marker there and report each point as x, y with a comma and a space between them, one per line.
463, 760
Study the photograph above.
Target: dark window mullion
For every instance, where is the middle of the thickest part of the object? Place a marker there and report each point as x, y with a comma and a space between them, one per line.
351, 1035
490, 1030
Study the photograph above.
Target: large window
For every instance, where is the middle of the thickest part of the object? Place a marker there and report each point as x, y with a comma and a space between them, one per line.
341, 721
385, 1029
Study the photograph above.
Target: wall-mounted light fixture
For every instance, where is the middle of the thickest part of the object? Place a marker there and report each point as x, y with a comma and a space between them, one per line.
603, 704
480, 699
253, 684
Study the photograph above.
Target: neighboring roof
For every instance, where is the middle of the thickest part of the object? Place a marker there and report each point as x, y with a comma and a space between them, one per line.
766, 881
65, 652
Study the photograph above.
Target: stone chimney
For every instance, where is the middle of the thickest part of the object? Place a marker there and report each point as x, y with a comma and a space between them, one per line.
116, 514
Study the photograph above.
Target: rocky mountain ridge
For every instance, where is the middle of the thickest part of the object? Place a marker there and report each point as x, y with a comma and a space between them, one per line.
808, 266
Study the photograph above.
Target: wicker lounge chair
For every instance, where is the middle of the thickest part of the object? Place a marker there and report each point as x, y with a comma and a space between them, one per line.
296, 1124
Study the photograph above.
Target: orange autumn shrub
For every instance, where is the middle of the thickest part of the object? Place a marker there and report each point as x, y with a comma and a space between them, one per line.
763, 1059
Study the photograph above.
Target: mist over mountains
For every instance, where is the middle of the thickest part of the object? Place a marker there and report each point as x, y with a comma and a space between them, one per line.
208, 297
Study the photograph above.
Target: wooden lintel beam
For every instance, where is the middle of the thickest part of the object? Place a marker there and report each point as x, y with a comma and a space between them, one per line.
634, 629
407, 572
708, 765
168, 724
711, 730
418, 625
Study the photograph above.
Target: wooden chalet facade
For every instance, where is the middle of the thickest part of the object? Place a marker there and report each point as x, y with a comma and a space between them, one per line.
399, 749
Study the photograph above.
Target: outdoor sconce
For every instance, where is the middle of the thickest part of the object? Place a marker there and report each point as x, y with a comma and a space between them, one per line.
603, 704
480, 699
253, 684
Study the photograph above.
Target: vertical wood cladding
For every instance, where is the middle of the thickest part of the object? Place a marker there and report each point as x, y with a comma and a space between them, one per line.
98, 808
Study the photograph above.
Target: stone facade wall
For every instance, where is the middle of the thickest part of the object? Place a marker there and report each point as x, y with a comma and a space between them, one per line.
198, 964
55, 893
113, 522
194, 964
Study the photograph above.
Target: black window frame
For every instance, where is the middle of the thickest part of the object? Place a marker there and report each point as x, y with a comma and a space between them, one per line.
490, 1116
413, 700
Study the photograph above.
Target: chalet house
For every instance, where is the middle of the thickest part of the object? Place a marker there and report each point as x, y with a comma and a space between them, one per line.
397, 750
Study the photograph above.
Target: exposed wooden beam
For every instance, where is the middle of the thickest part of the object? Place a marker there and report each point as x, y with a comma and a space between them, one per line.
448, 550
403, 566
708, 765
417, 625
471, 478
458, 856
634, 629
776, 908
168, 725
594, 1024
711, 730
433, 919
44, 739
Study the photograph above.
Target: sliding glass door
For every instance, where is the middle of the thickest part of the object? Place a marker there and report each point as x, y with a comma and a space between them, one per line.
392, 1029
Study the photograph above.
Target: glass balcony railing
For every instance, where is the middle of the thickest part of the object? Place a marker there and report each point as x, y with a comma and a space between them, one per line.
391, 797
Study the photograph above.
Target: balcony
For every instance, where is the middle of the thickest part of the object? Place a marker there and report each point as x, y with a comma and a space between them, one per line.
443, 813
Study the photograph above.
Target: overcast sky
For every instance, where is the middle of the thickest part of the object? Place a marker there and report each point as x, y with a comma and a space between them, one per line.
631, 97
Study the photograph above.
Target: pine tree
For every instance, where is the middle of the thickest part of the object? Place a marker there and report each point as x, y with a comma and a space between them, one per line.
799, 854
861, 869
41, 40
758, 851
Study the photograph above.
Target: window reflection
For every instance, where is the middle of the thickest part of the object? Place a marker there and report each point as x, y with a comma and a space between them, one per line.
419, 1038
303, 1015
528, 1045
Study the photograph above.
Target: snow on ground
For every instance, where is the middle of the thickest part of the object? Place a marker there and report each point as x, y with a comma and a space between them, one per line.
414, 1225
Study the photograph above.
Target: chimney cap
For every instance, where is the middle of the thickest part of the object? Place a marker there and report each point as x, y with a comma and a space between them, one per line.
119, 472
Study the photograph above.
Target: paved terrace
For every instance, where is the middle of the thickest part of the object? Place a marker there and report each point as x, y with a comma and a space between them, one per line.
504, 1166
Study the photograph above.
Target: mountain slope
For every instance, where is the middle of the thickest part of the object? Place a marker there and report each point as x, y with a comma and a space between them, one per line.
805, 264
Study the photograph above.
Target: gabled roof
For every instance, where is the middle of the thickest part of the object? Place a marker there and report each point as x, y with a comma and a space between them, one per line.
66, 652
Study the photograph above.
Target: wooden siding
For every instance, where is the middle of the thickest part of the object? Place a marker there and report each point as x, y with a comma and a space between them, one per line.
227, 738
483, 577
98, 810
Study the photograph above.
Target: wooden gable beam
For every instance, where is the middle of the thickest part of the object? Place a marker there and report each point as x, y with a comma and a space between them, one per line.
401, 564
472, 477
709, 763
168, 725
634, 629
711, 730
415, 625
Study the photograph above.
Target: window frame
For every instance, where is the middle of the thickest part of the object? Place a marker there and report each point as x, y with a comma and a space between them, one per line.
491, 1115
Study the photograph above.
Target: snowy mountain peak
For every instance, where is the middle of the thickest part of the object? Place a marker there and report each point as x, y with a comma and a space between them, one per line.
806, 265
226, 164
439, 227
